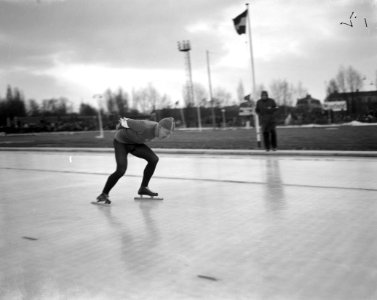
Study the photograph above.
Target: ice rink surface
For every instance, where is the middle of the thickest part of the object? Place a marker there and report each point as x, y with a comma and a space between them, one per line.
250, 227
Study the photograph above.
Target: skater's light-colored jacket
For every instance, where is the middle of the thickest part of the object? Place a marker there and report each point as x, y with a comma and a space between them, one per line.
139, 132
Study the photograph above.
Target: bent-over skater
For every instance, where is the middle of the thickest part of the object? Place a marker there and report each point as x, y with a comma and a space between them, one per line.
130, 137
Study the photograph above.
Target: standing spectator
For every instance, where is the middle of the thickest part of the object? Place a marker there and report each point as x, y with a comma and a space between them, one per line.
266, 108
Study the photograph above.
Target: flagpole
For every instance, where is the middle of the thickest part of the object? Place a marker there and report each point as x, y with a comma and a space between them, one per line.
256, 119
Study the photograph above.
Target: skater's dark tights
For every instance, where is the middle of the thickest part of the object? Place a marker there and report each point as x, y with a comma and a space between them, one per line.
121, 153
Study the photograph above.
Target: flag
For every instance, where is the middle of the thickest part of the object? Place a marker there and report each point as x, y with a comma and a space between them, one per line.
240, 22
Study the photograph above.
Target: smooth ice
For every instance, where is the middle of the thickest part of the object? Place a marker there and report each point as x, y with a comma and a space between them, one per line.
229, 227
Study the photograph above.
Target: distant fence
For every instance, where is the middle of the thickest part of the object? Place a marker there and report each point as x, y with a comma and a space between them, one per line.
185, 117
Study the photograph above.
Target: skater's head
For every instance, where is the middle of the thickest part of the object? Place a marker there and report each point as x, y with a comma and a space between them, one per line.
264, 95
165, 128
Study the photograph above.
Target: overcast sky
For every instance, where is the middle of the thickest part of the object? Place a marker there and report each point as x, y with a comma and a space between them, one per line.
77, 48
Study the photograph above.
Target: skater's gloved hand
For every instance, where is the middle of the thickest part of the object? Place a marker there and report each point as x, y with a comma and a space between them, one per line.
123, 122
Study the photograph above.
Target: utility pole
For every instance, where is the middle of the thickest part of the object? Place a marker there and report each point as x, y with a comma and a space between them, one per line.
182, 114
210, 91
185, 47
99, 98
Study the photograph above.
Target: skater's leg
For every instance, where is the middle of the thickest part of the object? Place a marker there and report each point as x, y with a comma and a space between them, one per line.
143, 151
121, 152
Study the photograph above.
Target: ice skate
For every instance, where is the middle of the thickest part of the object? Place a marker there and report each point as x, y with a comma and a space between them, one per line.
102, 200
146, 194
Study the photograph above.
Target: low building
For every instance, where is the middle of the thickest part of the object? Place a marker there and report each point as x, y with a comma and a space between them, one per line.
358, 103
308, 103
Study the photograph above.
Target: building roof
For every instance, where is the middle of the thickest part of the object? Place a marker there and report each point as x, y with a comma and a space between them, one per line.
307, 100
336, 96
307, 97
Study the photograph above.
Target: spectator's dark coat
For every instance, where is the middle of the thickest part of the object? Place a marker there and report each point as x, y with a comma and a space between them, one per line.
266, 109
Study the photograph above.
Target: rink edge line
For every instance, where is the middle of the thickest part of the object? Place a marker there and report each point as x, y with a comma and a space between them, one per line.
231, 152
197, 179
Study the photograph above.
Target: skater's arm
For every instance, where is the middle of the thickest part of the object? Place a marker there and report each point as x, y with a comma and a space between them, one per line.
123, 123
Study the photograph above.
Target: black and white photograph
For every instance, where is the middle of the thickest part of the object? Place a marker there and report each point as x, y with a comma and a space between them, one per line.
181, 150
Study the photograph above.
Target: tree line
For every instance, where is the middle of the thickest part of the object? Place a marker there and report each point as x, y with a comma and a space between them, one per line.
148, 99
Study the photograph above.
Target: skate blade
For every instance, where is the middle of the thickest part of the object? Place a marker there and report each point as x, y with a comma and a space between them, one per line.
148, 198
100, 204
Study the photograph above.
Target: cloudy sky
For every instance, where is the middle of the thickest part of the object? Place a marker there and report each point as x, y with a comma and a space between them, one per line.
77, 48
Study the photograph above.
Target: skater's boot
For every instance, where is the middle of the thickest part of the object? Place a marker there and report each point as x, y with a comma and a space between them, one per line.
103, 199
144, 190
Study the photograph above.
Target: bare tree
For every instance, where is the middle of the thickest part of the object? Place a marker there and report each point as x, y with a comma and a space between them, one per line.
121, 102
60, 106
148, 99
297, 92
33, 109
9, 93
200, 93
240, 92
110, 103
144, 99
116, 103
282, 92
332, 87
222, 97
87, 110
341, 79
186, 95
300, 91
353, 79
164, 102
13, 104
258, 91
347, 80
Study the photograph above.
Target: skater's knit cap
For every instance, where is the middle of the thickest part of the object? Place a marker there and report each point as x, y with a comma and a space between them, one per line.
167, 123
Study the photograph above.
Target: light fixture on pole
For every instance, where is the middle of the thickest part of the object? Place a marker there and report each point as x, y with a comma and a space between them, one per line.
99, 98
184, 46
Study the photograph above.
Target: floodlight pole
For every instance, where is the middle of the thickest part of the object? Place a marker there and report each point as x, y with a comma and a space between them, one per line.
184, 46
210, 91
99, 98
